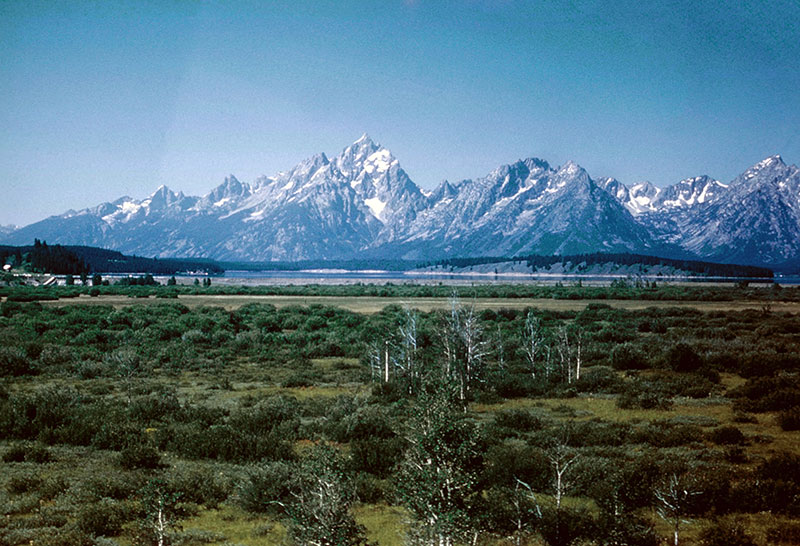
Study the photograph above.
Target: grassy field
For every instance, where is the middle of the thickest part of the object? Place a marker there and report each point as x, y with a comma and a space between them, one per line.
87, 377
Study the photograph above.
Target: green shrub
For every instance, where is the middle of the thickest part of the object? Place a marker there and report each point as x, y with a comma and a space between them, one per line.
506, 462
628, 529
103, 518
728, 435
371, 489
200, 485
628, 357
15, 362
683, 358
666, 434
265, 488
566, 526
643, 395
518, 421
600, 380
23, 483
15, 454
140, 456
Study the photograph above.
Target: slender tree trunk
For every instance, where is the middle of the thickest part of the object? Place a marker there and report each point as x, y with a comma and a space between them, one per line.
386, 362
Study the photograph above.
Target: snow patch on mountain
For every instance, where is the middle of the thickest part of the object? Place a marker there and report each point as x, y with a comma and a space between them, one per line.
375, 206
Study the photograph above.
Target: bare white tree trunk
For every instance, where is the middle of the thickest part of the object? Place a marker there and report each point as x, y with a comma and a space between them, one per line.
534, 341
674, 498
386, 361
561, 458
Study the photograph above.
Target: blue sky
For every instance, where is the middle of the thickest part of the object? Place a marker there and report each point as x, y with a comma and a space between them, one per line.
103, 99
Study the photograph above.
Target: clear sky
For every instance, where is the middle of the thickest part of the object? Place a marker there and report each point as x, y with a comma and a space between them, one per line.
110, 98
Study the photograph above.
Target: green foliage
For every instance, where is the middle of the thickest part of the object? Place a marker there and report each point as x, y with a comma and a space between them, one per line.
14, 362
28, 452
320, 510
161, 514
566, 526
683, 358
266, 488
640, 394
600, 380
728, 435
628, 357
195, 386
140, 456
102, 518
436, 481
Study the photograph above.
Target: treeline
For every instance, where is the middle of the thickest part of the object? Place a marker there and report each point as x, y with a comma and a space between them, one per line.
44, 258
111, 261
77, 260
694, 266
620, 289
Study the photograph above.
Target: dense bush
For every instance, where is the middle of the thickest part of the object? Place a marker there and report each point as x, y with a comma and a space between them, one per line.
600, 379
265, 488
14, 362
683, 358
565, 526
102, 518
641, 394
140, 456
166, 382
727, 436
200, 485
628, 357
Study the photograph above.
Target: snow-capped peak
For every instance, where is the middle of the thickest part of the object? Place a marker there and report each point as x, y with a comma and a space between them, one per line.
379, 162
364, 138
352, 158
769, 161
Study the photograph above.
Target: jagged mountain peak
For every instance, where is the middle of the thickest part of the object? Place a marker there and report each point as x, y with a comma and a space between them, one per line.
534, 163
570, 174
162, 190
226, 194
364, 138
771, 167
361, 202
350, 161
445, 190
770, 161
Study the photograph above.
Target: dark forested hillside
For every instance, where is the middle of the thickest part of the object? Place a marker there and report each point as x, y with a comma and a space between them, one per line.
75, 260
692, 266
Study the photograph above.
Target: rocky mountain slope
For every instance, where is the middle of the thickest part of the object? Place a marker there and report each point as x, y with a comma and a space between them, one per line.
361, 203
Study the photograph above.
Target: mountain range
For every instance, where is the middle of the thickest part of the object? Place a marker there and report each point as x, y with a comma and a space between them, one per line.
362, 204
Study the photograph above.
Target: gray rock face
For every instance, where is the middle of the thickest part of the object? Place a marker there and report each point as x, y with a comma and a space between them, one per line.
754, 220
361, 203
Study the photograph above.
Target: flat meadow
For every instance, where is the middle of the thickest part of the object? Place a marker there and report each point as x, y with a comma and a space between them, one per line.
579, 415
